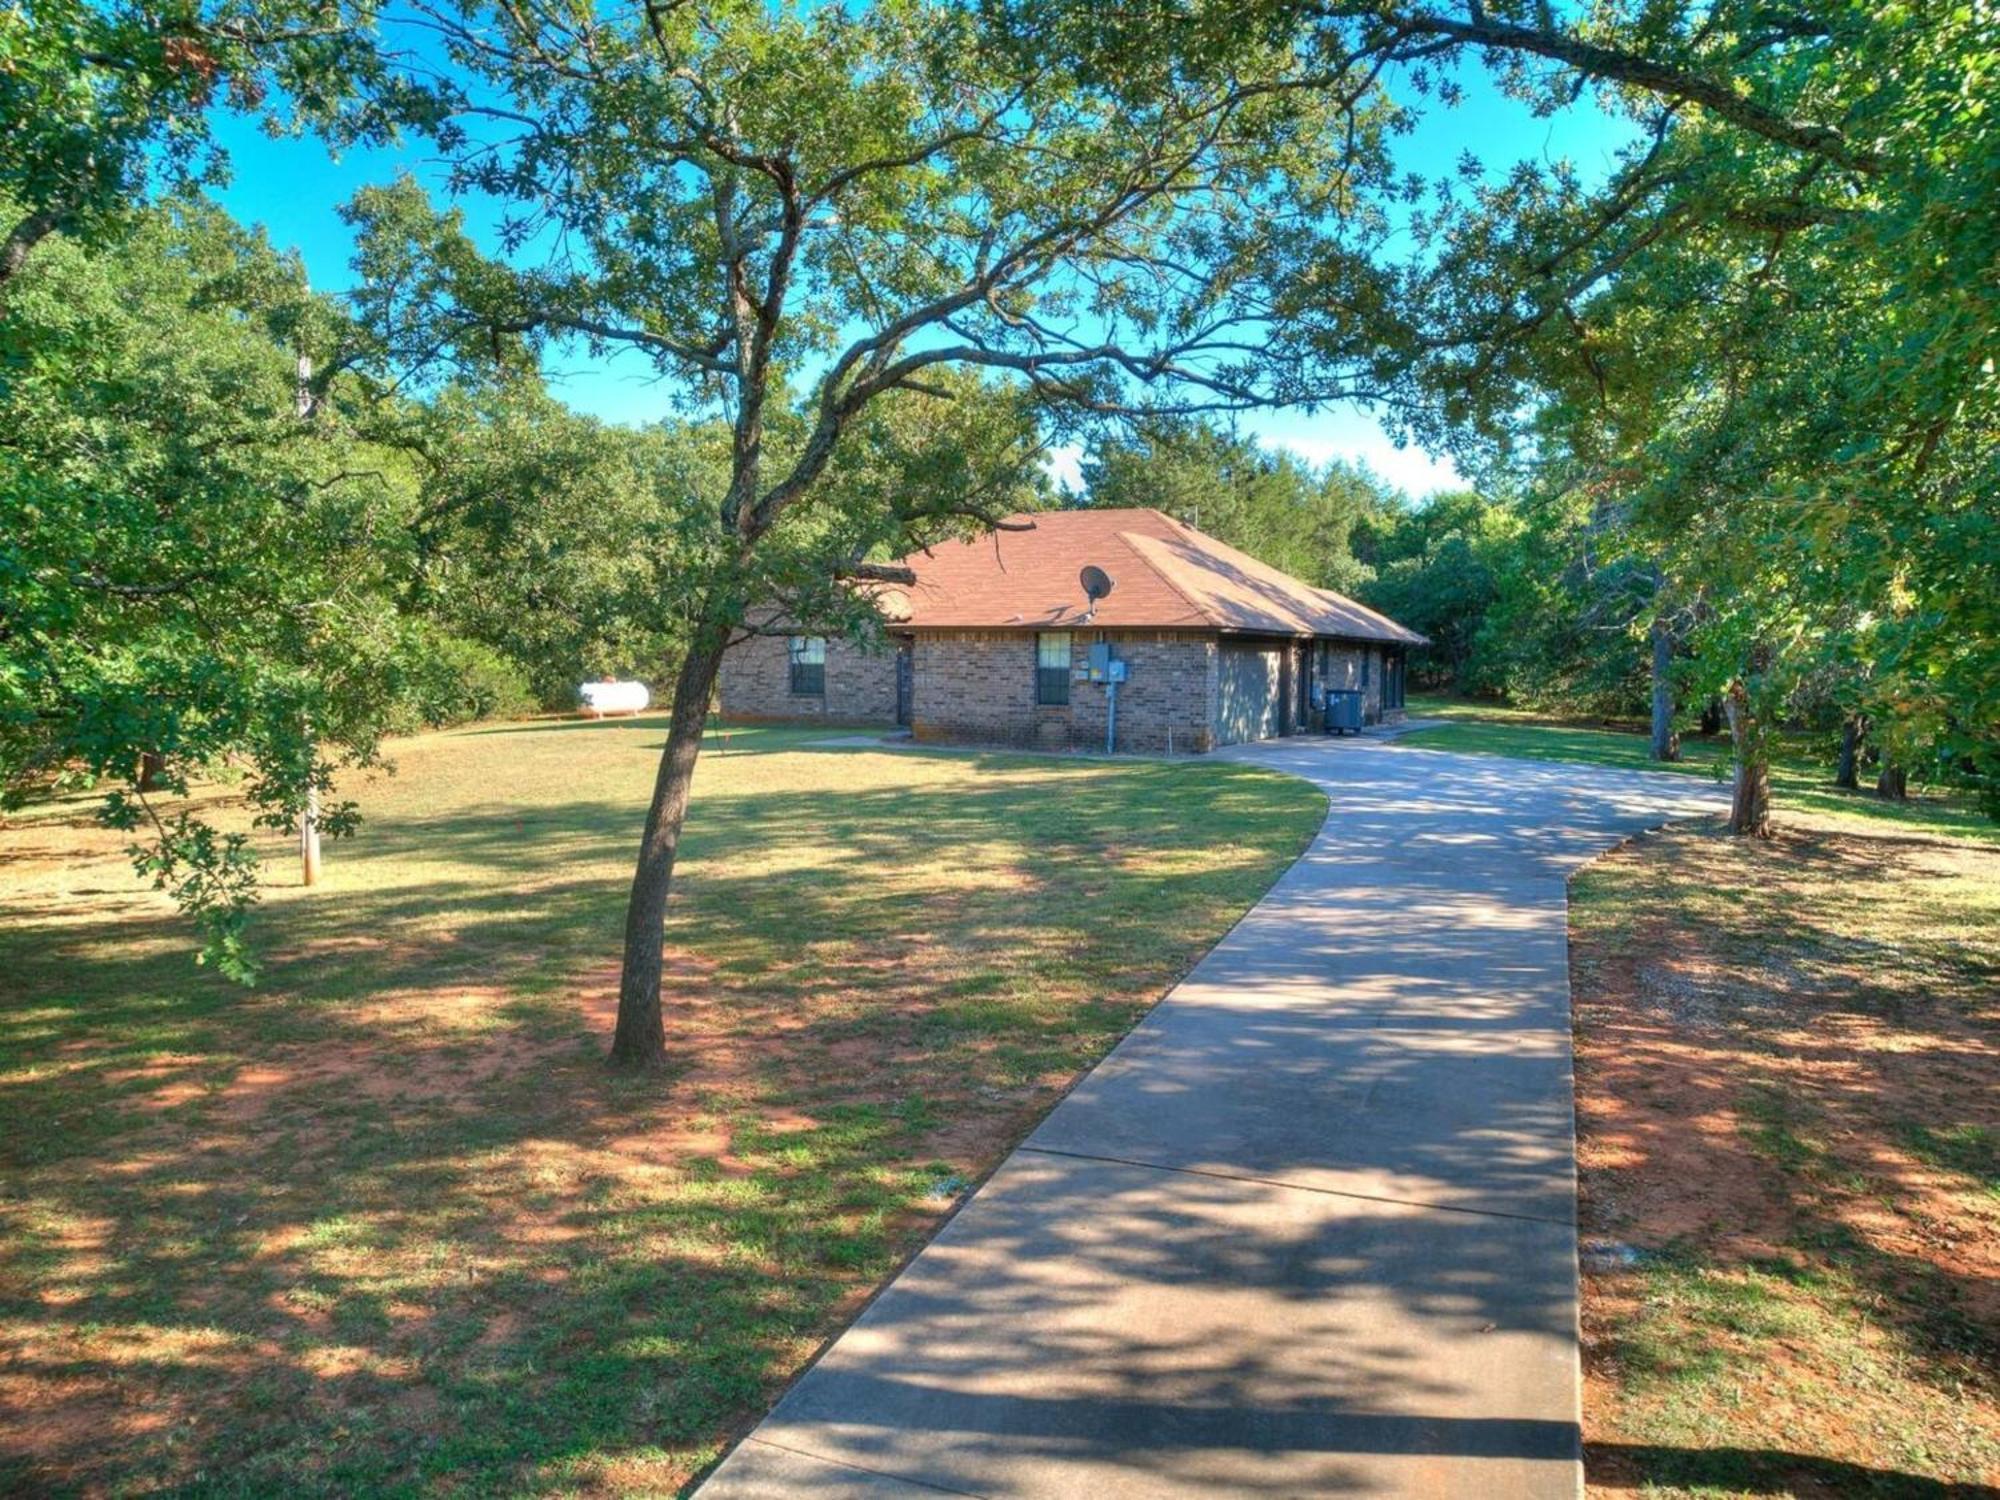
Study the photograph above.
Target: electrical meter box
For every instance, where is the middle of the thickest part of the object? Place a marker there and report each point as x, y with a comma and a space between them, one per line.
1103, 666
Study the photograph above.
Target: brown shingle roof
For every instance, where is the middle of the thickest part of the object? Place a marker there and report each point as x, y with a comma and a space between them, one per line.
1167, 574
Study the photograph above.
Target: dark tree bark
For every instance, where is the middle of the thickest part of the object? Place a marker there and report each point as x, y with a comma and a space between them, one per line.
1711, 718
640, 1040
1893, 784
1666, 743
1846, 769
27, 233
1636, 70
152, 765
1750, 799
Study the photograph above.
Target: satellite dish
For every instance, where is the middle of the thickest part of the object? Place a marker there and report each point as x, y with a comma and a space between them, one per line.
1096, 583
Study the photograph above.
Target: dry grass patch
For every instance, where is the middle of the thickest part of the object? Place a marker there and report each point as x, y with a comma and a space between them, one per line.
386, 1225
1789, 1116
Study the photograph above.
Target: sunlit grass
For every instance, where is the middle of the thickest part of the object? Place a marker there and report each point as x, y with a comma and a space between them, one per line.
386, 1224
1801, 776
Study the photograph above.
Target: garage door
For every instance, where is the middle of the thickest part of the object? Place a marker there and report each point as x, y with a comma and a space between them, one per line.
1248, 704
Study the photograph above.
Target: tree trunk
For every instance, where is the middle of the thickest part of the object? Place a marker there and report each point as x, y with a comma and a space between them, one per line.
29, 231
1711, 718
641, 1040
1750, 800
309, 837
152, 765
1894, 782
1845, 771
1666, 744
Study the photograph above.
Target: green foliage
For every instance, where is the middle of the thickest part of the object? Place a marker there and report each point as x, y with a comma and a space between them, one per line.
1566, 629
553, 539
195, 571
1762, 342
1438, 570
102, 102
212, 876
1773, 345
461, 680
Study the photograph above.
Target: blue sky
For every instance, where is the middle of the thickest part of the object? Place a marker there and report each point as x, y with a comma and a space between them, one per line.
294, 189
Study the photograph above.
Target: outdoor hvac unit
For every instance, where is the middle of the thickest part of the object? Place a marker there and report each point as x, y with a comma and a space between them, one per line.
601, 698
1343, 711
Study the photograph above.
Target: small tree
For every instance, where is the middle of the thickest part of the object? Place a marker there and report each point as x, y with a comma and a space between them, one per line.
191, 571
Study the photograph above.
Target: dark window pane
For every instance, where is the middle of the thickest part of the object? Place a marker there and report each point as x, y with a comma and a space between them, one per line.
1052, 667
807, 656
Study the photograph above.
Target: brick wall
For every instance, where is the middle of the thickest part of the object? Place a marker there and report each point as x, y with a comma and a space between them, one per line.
860, 683
1357, 666
1170, 686
978, 687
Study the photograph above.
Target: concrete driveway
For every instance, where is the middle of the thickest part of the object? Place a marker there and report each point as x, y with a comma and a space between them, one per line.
1310, 1229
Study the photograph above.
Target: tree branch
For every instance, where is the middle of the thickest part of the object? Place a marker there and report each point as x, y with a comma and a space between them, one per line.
1616, 65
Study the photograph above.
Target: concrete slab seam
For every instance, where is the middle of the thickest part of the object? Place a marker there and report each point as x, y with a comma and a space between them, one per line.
1296, 1187
841, 1463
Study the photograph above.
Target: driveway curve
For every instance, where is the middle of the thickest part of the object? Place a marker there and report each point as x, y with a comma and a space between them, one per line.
1311, 1228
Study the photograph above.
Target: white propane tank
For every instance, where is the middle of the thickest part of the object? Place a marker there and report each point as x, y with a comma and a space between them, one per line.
601, 698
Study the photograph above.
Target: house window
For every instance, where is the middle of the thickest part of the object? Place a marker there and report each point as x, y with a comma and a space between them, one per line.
1052, 667
807, 654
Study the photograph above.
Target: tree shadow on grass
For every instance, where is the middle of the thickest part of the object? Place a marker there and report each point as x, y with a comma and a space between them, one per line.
387, 1218
1807, 1005
1763, 1471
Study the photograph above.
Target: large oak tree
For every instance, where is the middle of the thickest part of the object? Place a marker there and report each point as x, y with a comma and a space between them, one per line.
797, 214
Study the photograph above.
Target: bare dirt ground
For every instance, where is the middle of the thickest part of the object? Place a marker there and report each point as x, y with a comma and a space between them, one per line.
1788, 1077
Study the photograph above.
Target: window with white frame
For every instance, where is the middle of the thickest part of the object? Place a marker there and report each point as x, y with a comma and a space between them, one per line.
807, 654
1052, 667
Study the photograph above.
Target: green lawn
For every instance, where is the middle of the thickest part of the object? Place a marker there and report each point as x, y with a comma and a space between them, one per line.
1801, 777
385, 1225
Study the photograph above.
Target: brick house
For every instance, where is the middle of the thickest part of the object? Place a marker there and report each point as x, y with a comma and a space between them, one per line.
996, 644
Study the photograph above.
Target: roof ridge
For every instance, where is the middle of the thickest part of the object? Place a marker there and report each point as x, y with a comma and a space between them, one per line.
1346, 600
1367, 609
1150, 567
